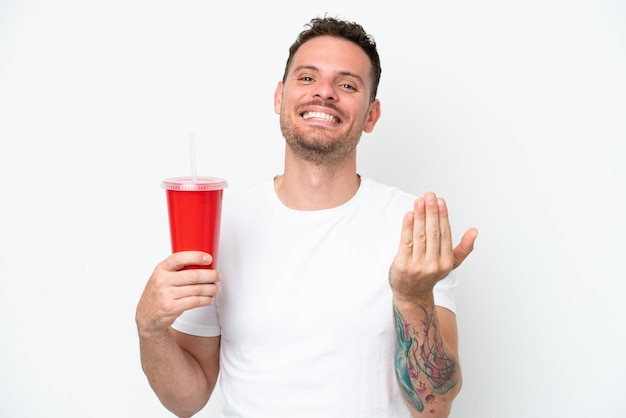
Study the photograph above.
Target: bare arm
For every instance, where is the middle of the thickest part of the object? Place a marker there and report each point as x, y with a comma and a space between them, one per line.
427, 366
426, 359
182, 369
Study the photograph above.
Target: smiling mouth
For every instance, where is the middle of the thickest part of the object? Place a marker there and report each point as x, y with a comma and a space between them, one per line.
320, 116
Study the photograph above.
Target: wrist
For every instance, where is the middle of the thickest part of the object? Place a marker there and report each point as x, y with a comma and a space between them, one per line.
425, 301
155, 335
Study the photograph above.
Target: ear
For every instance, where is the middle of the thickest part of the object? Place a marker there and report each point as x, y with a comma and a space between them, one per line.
278, 98
373, 114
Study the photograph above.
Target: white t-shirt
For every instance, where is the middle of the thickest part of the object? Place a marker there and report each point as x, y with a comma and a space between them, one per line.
305, 312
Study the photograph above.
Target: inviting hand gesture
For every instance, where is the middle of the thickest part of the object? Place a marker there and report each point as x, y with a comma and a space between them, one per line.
426, 254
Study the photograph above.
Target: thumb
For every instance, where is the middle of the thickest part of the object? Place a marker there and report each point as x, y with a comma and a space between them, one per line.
466, 246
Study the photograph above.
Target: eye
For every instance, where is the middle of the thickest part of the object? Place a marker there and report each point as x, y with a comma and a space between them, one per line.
347, 86
306, 79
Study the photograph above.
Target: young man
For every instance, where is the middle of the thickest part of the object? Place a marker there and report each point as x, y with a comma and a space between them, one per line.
336, 298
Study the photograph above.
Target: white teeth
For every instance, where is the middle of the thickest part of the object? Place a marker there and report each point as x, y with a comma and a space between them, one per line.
320, 116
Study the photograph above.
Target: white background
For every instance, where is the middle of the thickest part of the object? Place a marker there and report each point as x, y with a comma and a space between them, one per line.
514, 111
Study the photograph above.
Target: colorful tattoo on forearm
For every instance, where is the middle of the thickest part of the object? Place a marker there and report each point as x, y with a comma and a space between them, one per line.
425, 366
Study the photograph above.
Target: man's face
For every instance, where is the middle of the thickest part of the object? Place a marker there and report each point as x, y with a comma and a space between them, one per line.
324, 102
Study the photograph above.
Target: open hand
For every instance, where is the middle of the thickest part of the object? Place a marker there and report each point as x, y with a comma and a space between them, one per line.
425, 255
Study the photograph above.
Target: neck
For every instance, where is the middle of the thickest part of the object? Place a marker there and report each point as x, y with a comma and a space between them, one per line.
306, 186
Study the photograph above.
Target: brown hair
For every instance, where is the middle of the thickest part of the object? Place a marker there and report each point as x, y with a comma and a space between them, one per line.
341, 29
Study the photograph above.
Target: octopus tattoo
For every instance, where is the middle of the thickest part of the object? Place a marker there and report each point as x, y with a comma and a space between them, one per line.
425, 366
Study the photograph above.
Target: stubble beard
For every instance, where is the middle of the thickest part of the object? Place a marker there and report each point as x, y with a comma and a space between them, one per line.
315, 147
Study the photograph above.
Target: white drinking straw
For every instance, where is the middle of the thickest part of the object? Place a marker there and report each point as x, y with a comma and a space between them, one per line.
192, 156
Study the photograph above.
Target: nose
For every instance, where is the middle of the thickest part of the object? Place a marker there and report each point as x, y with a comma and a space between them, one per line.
325, 90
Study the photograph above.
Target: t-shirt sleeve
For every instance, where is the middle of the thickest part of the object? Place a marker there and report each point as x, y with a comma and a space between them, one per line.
444, 292
201, 322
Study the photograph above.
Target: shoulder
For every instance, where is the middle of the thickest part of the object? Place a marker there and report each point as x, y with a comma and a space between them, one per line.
258, 193
385, 195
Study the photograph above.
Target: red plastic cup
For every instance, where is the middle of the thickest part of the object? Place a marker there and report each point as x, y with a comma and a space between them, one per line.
195, 212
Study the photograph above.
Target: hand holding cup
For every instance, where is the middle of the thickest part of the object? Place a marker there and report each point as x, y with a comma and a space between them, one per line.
173, 289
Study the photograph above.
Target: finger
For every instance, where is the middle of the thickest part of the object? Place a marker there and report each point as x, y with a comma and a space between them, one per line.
202, 290
192, 302
195, 276
406, 236
445, 230
181, 259
433, 232
418, 234
465, 247
175, 307
185, 289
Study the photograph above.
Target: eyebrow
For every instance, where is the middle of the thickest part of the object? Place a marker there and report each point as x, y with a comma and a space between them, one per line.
342, 73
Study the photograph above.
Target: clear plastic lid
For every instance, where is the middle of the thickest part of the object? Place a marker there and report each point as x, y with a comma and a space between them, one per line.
200, 184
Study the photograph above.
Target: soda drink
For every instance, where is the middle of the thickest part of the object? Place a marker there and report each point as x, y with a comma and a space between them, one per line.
194, 207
